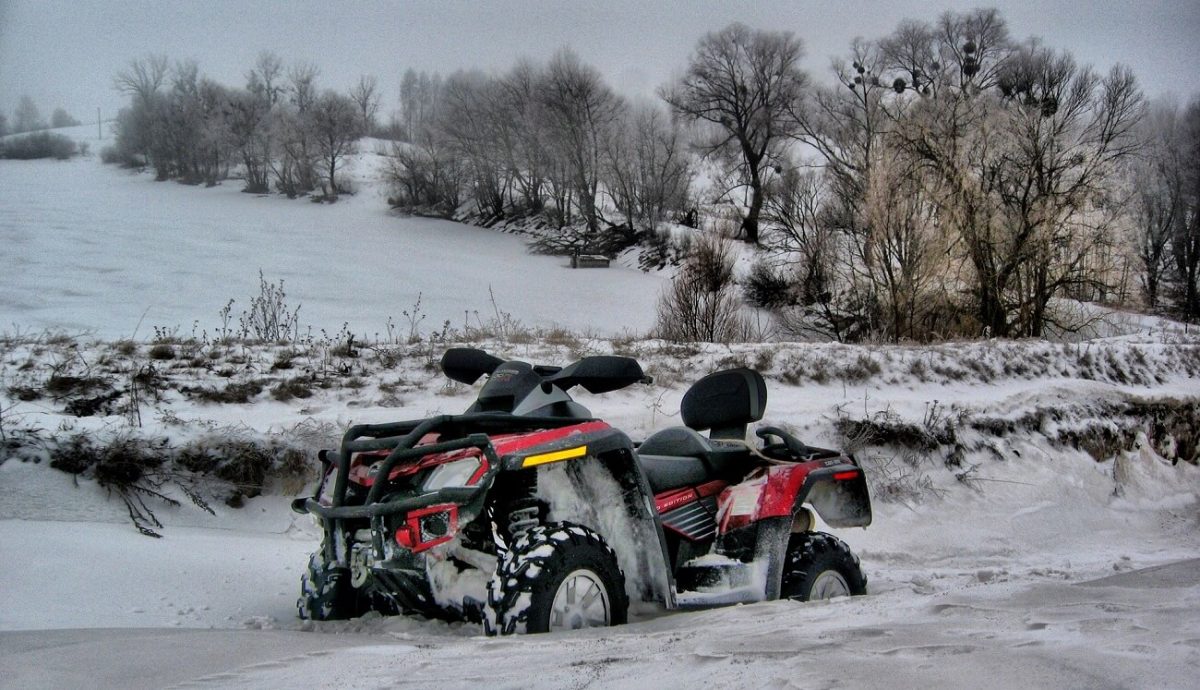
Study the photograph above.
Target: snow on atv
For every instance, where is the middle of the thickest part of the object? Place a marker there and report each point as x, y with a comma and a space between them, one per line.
529, 515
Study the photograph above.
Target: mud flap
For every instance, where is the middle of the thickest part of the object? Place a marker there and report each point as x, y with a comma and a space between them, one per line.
770, 552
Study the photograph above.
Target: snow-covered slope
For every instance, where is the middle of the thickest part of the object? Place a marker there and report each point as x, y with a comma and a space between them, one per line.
89, 247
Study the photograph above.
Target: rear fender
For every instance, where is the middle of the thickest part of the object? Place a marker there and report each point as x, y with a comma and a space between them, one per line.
836, 489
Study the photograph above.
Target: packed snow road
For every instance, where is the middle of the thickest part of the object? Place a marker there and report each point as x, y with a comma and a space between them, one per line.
1136, 629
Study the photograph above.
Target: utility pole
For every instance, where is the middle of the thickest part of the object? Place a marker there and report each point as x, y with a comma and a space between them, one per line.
99, 131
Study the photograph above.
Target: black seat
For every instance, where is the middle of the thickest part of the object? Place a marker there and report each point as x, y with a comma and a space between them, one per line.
671, 472
680, 456
724, 402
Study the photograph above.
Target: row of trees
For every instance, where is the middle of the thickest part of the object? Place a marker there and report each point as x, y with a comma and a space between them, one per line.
1166, 207
28, 118
550, 139
948, 180
278, 130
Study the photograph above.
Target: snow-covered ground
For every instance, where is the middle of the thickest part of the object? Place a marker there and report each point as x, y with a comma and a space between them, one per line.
1029, 563
91, 247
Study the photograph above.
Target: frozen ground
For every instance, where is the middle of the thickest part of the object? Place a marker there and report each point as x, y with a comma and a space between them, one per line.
1039, 567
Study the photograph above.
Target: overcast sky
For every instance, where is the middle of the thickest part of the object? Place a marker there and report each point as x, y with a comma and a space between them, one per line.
64, 53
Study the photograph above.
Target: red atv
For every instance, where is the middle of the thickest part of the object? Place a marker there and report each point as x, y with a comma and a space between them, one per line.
529, 515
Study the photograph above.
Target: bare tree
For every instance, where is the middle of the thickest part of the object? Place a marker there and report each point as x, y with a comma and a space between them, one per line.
1157, 177
365, 94
1185, 243
336, 126
579, 111
527, 158
474, 127
648, 169
701, 303
743, 82
296, 169
420, 93
143, 77
1069, 130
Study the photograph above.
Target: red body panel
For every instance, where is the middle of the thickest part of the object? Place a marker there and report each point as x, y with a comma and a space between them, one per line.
673, 498
504, 444
767, 492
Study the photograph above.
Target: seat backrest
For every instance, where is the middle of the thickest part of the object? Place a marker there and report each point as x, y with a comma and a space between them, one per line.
725, 402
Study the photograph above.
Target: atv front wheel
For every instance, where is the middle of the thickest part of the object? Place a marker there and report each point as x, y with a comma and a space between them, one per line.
820, 566
556, 577
326, 593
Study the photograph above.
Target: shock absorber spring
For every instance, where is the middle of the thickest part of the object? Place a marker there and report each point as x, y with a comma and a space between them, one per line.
522, 518
523, 510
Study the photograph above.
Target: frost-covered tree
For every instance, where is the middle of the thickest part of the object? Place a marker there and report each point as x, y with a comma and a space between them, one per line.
27, 118
60, 118
265, 79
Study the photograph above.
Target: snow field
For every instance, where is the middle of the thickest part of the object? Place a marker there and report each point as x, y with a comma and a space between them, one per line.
93, 248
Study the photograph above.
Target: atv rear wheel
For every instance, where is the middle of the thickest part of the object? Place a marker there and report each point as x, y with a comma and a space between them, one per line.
326, 593
556, 577
820, 566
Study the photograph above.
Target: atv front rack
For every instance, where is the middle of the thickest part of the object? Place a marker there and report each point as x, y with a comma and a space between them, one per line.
402, 439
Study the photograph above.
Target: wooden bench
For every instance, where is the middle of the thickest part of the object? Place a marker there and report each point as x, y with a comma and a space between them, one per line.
589, 261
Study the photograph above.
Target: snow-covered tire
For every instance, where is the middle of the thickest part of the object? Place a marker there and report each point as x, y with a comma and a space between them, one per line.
325, 592
820, 566
556, 577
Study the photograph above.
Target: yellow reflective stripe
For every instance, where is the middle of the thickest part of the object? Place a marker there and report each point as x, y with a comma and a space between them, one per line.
557, 455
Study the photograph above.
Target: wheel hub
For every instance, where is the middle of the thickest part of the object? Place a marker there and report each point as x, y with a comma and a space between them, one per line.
580, 602
829, 584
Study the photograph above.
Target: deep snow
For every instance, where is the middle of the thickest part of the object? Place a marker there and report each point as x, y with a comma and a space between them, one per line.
1034, 572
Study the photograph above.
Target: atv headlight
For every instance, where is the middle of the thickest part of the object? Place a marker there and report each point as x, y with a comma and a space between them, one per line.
457, 473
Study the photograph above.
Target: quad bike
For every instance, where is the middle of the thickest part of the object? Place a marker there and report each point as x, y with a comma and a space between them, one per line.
529, 515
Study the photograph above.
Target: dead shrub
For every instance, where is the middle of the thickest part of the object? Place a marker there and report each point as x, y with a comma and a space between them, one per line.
701, 304
298, 387
237, 393
162, 352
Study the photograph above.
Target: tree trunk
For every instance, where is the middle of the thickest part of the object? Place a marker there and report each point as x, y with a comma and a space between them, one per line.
750, 222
